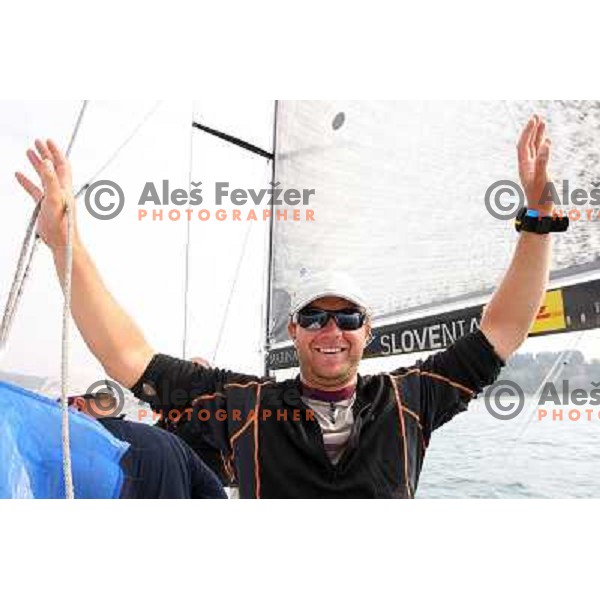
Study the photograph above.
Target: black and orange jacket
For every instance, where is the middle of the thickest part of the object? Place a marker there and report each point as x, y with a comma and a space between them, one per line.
272, 440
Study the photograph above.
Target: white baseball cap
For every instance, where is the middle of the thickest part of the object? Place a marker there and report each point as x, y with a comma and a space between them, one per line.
324, 285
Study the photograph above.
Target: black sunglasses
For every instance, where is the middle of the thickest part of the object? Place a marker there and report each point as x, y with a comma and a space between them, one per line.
348, 319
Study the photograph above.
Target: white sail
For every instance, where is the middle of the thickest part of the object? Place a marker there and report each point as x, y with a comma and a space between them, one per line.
399, 201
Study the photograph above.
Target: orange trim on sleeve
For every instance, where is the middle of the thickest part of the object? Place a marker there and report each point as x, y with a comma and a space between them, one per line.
240, 431
414, 415
403, 430
408, 373
242, 386
449, 382
435, 376
206, 398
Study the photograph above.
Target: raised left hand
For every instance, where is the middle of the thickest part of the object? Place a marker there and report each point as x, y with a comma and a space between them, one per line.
534, 155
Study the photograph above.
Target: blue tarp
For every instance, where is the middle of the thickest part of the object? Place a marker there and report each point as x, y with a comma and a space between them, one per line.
31, 450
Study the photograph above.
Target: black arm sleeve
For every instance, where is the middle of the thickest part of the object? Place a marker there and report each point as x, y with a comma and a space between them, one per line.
179, 390
171, 383
451, 379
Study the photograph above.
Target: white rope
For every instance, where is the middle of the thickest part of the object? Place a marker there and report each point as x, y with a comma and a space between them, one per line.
66, 321
232, 292
28, 249
21, 274
557, 368
119, 149
186, 291
66, 446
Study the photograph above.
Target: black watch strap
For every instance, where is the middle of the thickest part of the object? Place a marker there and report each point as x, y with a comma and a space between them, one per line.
532, 223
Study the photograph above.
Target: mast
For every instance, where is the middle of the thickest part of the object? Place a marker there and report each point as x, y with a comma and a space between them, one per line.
270, 248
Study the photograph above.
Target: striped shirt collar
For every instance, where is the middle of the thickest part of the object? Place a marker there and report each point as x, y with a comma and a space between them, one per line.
324, 396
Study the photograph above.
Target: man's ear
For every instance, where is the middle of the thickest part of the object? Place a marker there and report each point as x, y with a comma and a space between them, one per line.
292, 328
79, 404
201, 362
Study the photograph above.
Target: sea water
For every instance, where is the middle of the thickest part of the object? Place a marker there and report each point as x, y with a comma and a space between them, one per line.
478, 456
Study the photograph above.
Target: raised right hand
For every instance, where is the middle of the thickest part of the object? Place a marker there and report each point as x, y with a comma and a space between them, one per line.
54, 171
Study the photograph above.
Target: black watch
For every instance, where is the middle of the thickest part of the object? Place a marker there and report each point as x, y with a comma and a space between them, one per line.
530, 221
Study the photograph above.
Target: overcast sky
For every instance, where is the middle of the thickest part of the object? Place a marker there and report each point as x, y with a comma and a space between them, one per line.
143, 264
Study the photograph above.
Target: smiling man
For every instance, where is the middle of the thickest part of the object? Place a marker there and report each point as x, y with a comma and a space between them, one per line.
330, 326
370, 434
